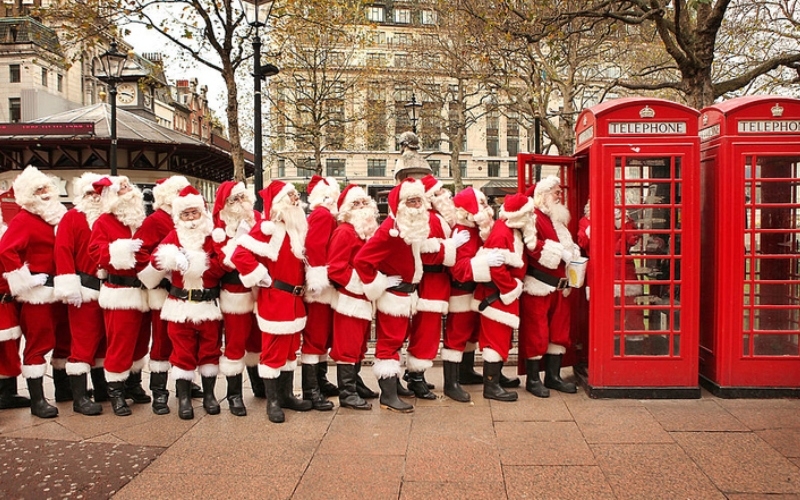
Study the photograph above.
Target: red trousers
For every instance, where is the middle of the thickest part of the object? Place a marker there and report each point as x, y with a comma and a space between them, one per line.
88, 333
239, 333
350, 337
425, 333
10, 365
495, 336
277, 350
161, 346
62, 327
38, 326
194, 344
543, 320
123, 330
318, 333
391, 332
461, 328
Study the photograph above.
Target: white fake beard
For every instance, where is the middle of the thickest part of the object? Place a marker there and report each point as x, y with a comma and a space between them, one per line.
47, 207
129, 209
192, 234
557, 212
412, 223
294, 218
443, 203
91, 208
484, 220
364, 221
529, 236
233, 215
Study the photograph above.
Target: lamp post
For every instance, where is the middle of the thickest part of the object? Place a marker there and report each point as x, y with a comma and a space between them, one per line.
112, 62
411, 109
256, 13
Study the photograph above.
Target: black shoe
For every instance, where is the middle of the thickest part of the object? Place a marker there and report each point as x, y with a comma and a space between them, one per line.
311, 389
402, 391
286, 397
158, 386
509, 383
81, 403
389, 399
210, 403
8, 395
271, 393
416, 382
234, 396
39, 405
491, 383
407, 377
452, 389
183, 388
348, 393
197, 391
255, 382
62, 385
466, 370
325, 386
116, 395
134, 390
552, 375
361, 388
533, 384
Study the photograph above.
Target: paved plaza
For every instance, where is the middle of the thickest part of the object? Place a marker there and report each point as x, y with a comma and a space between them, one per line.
564, 447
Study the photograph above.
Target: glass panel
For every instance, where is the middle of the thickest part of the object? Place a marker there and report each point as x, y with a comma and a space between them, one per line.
676, 319
616, 345
634, 345
775, 319
775, 345
746, 345
676, 345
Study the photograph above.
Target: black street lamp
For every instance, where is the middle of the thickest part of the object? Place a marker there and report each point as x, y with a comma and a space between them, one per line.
112, 62
411, 109
256, 13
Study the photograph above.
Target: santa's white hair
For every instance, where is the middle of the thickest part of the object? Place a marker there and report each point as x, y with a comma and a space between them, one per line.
292, 214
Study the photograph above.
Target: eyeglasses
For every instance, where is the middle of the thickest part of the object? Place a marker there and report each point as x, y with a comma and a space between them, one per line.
232, 200
360, 203
415, 201
191, 214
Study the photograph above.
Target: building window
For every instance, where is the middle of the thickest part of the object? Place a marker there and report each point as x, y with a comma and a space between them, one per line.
335, 167
281, 168
60, 83
402, 39
512, 134
462, 166
493, 167
402, 16
376, 60
14, 75
376, 168
428, 17
492, 133
378, 38
376, 14
402, 61
512, 169
44, 77
14, 110
435, 166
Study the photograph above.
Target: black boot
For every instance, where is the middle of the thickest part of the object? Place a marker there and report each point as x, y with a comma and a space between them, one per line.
99, 384
8, 395
452, 389
210, 403
184, 390
134, 390
389, 399
552, 375
158, 386
328, 389
62, 383
39, 405
286, 396
361, 388
416, 382
348, 392
508, 383
466, 370
234, 396
197, 391
407, 378
311, 389
116, 394
81, 403
402, 391
534, 384
255, 382
491, 383
272, 394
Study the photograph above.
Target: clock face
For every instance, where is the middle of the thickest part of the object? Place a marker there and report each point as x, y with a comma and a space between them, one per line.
126, 93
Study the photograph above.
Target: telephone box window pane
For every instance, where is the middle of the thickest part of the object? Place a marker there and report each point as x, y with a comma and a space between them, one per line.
781, 319
616, 345
676, 345
746, 345
634, 345
676, 320
775, 345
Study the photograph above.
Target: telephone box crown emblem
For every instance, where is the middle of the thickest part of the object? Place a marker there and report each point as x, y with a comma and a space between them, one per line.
647, 112
777, 110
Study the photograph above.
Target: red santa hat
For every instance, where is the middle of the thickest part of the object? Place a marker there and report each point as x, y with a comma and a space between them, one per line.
530, 190
432, 184
350, 193
322, 191
28, 182
516, 207
108, 188
189, 197
273, 193
225, 191
468, 200
166, 190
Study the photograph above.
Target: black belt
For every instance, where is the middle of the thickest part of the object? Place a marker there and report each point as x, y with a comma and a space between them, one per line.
404, 287
6, 298
432, 268
89, 281
231, 278
48, 282
558, 283
488, 301
128, 281
286, 287
197, 295
165, 283
467, 286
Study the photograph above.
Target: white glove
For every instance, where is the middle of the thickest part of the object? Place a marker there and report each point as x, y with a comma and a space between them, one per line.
136, 245
244, 228
181, 263
566, 256
460, 237
38, 279
392, 281
495, 259
588, 231
266, 281
74, 300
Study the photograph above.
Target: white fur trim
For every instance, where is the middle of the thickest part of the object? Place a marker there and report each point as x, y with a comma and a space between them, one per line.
167, 256
375, 289
37, 295
66, 285
386, 368
230, 367
508, 298
117, 377
267, 227
181, 203
310, 359
265, 371
449, 253
434, 306
19, 280
417, 365
556, 349
326, 296
138, 365
208, 370
236, 302
184, 311
317, 277
123, 298
462, 303
501, 317
58, 363
250, 279
252, 358
150, 276
121, 255
431, 245
481, 272
269, 249
290, 366
12, 333
227, 252
281, 327
167, 191
218, 235
354, 285
396, 305
532, 286
551, 254
198, 265
77, 368
34, 371
415, 251
491, 356
452, 355
181, 374
354, 307
159, 366
156, 298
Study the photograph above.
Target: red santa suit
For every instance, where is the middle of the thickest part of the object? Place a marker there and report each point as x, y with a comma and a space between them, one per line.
27, 255
122, 298
499, 300
10, 331
78, 279
269, 255
154, 229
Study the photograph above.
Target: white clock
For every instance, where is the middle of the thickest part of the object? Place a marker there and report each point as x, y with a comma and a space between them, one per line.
126, 93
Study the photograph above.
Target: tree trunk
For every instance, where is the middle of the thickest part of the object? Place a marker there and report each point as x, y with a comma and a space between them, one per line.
232, 112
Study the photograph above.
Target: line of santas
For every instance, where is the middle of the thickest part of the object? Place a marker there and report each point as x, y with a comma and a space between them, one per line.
110, 283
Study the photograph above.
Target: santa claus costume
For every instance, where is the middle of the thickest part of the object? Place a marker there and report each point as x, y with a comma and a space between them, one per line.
271, 257
77, 283
545, 323
27, 255
390, 267
352, 315
154, 229
499, 298
191, 309
323, 193
234, 217
122, 297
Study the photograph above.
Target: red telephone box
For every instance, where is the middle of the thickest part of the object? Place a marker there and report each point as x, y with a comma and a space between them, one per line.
750, 152
637, 160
